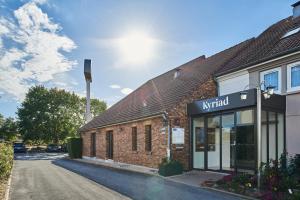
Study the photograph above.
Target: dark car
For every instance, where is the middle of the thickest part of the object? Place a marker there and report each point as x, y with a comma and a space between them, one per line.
19, 147
53, 148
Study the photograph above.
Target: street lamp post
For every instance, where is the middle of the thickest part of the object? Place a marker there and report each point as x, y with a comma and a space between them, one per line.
259, 148
88, 79
267, 94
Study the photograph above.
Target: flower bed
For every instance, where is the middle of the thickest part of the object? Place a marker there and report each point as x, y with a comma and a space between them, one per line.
279, 181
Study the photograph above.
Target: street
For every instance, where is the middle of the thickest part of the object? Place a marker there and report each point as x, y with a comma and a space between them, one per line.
34, 177
49, 176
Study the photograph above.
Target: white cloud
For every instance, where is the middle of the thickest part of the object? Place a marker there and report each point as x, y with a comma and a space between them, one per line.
115, 86
35, 51
126, 91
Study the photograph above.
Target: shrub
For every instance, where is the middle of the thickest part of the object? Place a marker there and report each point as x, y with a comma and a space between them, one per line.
6, 159
170, 167
74, 147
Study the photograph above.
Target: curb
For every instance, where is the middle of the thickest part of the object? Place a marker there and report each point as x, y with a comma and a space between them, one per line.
209, 188
6, 197
166, 178
231, 193
112, 167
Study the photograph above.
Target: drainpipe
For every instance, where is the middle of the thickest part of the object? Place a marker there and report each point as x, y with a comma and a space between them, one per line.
218, 86
167, 122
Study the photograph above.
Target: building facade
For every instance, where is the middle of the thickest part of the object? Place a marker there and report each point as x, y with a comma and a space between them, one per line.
196, 110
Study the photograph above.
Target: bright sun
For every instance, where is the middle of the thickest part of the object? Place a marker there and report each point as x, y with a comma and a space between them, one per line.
137, 47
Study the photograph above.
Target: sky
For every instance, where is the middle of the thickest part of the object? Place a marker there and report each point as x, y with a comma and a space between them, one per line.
45, 42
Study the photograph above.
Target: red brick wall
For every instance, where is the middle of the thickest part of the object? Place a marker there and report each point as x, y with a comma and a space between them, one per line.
178, 113
122, 147
122, 135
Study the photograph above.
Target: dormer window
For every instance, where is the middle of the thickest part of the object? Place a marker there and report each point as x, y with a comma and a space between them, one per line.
177, 73
292, 32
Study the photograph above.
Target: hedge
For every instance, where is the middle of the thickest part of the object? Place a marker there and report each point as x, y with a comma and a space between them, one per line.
6, 159
170, 167
74, 147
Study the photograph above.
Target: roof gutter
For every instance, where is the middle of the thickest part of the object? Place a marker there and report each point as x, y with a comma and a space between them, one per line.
124, 122
261, 62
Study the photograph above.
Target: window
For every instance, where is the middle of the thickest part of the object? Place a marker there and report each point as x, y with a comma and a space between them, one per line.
200, 138
148, 138
134, 138
244, 117
271, 78
293, 76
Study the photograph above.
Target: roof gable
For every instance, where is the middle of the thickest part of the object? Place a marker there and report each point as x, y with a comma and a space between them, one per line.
164, 91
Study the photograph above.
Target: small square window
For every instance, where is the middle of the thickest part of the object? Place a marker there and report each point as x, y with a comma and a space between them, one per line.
271, 78
293, 76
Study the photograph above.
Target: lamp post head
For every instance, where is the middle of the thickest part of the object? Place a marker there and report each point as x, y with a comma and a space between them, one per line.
270, 89
87, 70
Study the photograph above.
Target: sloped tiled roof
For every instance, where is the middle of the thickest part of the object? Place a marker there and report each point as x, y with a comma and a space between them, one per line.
163, 92
269, 44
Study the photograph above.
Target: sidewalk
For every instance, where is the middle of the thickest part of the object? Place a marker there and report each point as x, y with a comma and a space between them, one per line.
197, 178
119, 165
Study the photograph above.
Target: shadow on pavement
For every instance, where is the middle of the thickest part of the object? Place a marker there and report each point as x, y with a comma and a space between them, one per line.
39, 156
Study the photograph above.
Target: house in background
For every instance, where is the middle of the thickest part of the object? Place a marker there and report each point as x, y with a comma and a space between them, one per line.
199, 109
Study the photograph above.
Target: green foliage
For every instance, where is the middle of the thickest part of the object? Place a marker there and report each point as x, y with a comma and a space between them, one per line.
8, 129
170, 167
52, 115
6, 159
97, 107
74, 146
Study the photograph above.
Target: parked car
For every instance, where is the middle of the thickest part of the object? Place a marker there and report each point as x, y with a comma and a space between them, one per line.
53, 148
19, 147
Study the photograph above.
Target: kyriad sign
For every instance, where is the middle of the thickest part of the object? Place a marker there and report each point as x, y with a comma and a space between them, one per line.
226, 102
207, 105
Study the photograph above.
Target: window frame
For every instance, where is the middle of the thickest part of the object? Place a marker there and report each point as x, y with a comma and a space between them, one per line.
134, 138
262, 78
289, 77
148, 138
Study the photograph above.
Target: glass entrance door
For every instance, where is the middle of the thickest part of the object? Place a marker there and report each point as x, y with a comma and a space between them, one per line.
225, 141
213, 143
228, 142
245, 142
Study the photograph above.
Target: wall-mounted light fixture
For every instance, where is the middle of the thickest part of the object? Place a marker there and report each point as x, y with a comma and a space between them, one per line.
267, 94
243, 95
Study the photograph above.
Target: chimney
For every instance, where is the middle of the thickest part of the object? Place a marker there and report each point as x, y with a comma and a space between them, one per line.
88, 79
296, 9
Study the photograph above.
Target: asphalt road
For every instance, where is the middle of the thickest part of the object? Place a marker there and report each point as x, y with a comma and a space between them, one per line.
35, 177
49, 176
140, 186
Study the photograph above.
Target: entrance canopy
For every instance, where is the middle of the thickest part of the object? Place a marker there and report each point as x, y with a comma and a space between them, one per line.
224, 131
234, 101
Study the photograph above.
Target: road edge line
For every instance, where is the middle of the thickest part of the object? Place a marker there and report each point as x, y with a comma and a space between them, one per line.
6, 197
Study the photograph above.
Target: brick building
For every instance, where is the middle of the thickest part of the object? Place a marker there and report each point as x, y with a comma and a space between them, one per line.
167, 109
134, 130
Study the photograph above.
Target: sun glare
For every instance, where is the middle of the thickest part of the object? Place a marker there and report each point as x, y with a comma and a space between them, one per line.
137, 48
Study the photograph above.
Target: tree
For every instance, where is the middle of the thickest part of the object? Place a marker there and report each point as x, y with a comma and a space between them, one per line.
8, 129
52, 115
1, 120
97, 106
